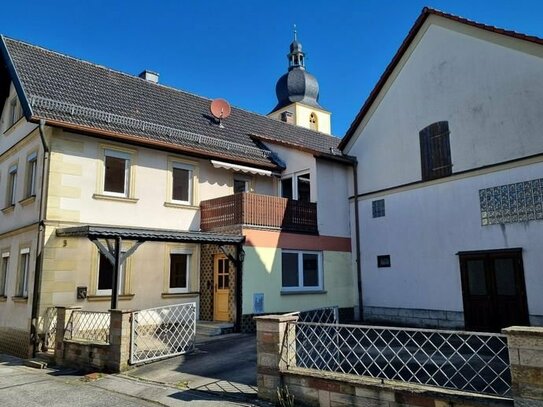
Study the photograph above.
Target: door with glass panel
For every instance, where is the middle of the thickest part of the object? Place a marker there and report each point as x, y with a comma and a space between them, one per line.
221, 277
493, 290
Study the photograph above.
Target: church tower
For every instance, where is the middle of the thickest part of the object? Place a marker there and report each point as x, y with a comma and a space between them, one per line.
298, 94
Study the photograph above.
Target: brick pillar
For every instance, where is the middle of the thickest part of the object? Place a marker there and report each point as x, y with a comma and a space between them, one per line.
271, 357
63, 316
119, 340
526, 359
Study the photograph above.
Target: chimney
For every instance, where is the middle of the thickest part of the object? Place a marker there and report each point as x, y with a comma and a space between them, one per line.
149, 76
287, 117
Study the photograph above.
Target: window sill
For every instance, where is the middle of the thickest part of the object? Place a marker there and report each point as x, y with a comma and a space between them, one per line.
180, 295
121, 297
115, 198
180, 205
8, 209
19, 298
3, 298
303, 292
28, 200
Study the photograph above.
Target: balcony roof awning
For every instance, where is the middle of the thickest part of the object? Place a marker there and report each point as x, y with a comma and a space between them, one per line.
148, 235
241, 168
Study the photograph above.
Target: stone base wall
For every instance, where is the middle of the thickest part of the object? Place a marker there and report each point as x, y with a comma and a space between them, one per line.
411, 317
315, 388
86, 356
15, 342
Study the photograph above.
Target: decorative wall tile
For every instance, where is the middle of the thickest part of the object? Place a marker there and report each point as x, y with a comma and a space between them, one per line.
518, 202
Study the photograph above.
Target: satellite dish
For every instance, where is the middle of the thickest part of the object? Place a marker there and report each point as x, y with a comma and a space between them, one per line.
220, 109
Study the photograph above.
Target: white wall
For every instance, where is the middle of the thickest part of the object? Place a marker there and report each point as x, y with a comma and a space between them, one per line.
489, 92
423, 230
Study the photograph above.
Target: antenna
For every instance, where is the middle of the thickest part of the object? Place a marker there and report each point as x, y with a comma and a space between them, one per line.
220, 109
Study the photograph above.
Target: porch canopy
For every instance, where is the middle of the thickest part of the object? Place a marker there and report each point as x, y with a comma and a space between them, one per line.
113, 236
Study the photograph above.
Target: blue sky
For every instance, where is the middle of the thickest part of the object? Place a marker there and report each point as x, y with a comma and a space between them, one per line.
237, 49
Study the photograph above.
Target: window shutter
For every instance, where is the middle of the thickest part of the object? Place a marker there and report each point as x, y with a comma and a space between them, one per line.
435, 151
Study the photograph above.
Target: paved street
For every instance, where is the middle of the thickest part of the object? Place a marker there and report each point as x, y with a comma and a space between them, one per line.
25, 386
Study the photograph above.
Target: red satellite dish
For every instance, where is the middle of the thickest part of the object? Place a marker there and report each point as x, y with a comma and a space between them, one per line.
220, 109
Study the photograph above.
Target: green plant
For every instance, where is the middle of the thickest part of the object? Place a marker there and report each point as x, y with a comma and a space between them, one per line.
284, 398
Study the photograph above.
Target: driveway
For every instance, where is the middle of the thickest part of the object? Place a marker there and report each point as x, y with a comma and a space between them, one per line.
224, 366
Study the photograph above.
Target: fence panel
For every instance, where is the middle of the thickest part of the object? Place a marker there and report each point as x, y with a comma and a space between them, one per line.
90, 326
465, 361
162, 332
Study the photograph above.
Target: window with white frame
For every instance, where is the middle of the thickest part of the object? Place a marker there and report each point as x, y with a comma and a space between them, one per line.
297, 187
24, 269
179, 271
182, 175
105, 276
301, 270
116, 173
11, 186
240, 184
31, 171
4, 273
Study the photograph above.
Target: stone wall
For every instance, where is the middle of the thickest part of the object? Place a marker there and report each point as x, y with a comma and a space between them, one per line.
420, 318
15, 342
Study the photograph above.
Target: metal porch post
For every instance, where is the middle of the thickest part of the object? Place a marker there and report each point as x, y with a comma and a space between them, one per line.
115, 277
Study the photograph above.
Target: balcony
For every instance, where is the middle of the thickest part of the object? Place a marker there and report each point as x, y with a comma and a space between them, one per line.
265, 211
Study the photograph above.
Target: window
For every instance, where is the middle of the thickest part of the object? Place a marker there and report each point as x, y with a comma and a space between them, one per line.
4, 273
240, 185
12, 186
179, 272
31, 169
24, 268
117, 173
378, 208
383, 261
301, 270
297, 187
182, 183
435, 151
15, 112
313, 122
105, 277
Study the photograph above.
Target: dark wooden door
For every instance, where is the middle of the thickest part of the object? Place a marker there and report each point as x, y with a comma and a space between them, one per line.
493, 290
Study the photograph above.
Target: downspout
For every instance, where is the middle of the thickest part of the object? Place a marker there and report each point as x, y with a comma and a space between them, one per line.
239, 277
357, 236
40, 241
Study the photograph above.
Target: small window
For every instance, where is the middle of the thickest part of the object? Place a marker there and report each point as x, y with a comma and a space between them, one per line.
4, 273
313, 122
241, 185
179, 272
301, 270
31, 171
24, 268
378, 208
286, 188
117, 173
435, 151
304, 188
12, 186
182, 183
383, 261
15, 112
105, 277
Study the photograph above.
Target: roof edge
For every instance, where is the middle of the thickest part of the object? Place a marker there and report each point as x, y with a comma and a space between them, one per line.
425, 13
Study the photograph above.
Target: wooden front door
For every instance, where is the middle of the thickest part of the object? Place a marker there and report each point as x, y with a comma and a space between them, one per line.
221, 290
493, 290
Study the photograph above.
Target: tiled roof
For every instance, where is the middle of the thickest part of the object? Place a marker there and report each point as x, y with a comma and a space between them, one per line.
76, 94
158, 235
426, 12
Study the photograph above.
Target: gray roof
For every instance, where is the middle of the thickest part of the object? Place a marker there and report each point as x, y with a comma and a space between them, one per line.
71, 92
157, 235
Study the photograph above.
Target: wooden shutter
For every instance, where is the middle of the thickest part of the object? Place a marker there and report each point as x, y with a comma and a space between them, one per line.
435, 151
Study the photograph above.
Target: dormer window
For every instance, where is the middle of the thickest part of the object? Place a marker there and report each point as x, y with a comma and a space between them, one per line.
313, 122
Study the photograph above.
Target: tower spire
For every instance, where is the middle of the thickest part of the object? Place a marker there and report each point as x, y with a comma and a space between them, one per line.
296, 56
295, 33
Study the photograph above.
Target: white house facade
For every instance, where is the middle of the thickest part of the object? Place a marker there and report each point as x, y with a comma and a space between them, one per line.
450, 179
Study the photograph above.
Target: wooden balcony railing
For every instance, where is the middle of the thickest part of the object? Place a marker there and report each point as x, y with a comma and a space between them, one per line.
267, 211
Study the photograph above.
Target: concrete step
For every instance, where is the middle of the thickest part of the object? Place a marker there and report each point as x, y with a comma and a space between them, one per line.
213, 328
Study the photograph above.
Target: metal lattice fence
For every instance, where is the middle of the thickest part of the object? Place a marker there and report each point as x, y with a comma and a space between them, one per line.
467, 361
48, 328
162, 331
326, 315
89, 326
